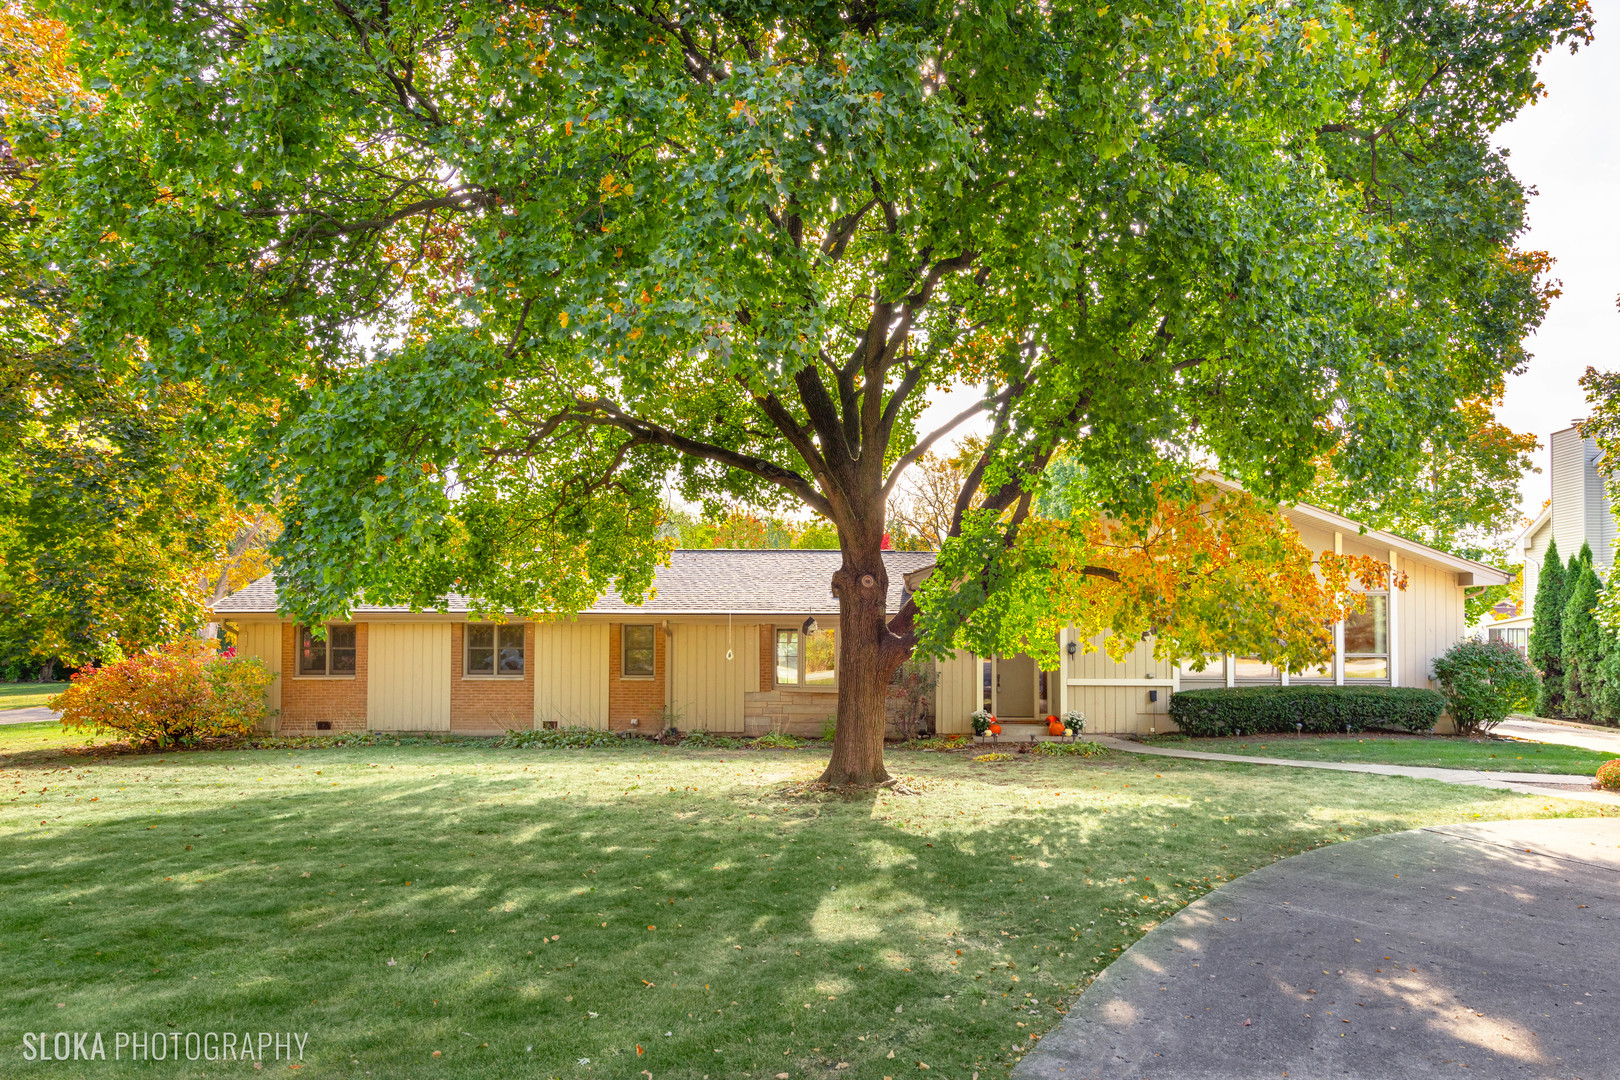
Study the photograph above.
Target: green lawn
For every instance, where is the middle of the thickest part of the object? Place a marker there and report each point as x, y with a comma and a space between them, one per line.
1436, 751
26, 695
520, 911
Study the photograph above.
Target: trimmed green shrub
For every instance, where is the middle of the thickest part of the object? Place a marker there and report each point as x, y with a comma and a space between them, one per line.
1482, 682
1262, 710
177, 694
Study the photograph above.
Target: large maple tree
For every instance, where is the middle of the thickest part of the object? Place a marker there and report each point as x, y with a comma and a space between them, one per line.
509, 269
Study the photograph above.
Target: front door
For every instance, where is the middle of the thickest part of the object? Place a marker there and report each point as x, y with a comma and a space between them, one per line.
1015, 688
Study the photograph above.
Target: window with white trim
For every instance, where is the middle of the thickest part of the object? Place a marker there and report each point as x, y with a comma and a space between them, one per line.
807, 660
333, 654
493, 651
1366, 640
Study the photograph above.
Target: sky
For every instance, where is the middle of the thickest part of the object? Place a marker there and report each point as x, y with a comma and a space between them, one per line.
1566, 147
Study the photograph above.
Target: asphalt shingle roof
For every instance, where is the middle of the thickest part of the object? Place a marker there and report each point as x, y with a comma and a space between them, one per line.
696, 582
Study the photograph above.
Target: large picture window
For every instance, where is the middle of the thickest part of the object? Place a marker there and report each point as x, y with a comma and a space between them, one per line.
810, 661
331, 655
639, 652
494, 651
1366, 640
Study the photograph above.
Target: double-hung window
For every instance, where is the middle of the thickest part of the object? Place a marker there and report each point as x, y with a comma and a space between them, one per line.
1366, 640
494, 650
330, 655
810, 661
638, 654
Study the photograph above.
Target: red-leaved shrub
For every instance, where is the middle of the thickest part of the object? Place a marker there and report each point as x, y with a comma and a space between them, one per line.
178, 694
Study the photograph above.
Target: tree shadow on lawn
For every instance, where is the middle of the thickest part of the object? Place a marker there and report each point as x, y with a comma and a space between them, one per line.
642, 914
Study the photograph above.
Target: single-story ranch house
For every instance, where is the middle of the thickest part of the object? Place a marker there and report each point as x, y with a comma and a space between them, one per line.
743, 641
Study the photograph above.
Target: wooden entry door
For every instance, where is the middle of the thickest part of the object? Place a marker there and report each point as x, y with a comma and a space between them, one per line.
1015, 688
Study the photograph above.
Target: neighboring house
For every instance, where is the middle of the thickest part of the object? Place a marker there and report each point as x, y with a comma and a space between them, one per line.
1579, 513
744, 641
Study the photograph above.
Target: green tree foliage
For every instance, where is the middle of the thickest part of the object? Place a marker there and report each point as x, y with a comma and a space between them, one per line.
1482, 682
506, 270
1463, 499
1585, 644
1546, 649
112, 512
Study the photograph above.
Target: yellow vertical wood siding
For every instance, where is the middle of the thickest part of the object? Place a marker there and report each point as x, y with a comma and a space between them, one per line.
1430, 614
1119, 709
263, 640
707, 688
959, 693
571, 674
408, 678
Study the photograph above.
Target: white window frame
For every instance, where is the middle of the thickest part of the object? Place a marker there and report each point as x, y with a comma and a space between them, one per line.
326, 653
522, 630
801, 684
624, 652
1387, 656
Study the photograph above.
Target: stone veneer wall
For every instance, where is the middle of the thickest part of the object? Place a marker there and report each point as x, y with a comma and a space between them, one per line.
308, 699
488, 706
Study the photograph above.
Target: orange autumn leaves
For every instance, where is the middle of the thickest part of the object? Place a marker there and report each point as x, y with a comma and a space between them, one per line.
1216, 572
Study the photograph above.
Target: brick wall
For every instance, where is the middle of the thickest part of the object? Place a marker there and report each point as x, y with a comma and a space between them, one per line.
767, 658
490, 706
638, 699
306, 699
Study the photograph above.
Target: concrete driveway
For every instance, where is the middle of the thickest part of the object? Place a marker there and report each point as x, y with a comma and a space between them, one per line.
1587, 738
1476, 951
35, 715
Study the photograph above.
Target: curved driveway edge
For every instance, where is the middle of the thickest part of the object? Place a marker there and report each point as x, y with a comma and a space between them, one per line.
1557, 785
1478, 951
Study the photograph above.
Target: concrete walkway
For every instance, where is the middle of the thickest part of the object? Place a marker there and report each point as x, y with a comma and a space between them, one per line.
1604, 741
1477, 951
1562, 786
35, 715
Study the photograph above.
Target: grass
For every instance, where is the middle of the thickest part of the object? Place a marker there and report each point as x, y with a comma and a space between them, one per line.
671, 910
1435, 751
27, 695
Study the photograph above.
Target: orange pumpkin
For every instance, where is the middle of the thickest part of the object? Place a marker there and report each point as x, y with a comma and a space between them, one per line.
995, 729
1053, 727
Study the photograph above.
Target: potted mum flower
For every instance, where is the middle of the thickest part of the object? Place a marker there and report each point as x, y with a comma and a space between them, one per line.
981, 720
1074, 722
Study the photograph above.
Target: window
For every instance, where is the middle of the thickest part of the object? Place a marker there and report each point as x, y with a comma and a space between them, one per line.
494, 651
1366, 640
638, 652
787, 658
1252, 667
330, 655
821, 658
810, 661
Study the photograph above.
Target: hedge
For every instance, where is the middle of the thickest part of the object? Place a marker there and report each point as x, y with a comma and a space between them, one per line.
1260, 710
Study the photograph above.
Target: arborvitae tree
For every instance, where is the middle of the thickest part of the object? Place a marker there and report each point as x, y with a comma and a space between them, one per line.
1547, 633
1584, 642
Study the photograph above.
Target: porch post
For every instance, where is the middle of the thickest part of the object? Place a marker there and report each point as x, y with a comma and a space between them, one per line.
1338, 627
1394, 624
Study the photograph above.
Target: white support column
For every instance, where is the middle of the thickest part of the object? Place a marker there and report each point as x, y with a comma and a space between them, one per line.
1338, 627
1394, 623
1064, 637
1231, 671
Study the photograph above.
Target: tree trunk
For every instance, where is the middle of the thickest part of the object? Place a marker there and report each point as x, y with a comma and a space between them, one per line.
868, 655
